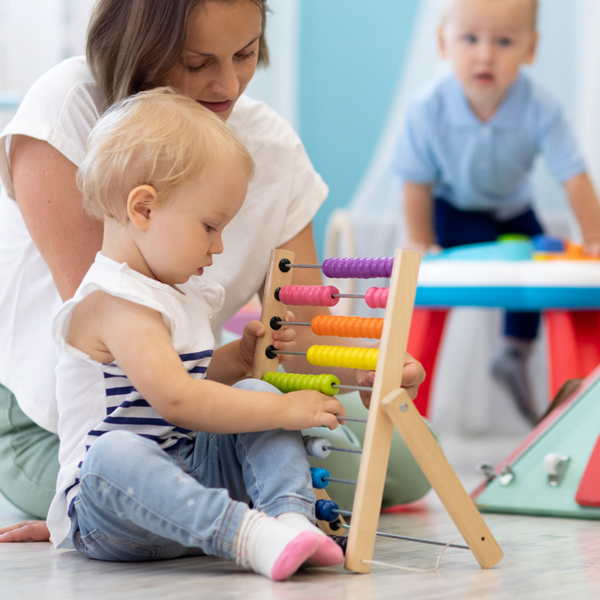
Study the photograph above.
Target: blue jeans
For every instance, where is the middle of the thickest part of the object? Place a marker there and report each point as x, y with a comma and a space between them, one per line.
138, 502
456, 227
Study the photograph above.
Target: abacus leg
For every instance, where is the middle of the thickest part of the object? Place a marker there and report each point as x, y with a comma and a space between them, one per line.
442, 478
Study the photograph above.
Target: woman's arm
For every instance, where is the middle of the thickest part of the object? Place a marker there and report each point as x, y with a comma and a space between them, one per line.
48, 198
303, 245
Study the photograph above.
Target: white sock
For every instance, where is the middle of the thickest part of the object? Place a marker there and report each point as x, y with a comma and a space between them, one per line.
328, 554
298, 521
271, 548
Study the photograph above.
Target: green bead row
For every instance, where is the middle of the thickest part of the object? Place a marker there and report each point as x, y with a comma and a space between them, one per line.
292, 382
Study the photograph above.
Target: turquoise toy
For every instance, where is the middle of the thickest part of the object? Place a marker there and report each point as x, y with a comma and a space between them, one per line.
542, 476
509, 249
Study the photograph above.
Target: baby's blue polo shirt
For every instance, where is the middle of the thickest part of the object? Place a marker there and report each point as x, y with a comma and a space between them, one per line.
484, 166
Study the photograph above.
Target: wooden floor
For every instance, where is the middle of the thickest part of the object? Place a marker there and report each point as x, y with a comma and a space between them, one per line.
544, 558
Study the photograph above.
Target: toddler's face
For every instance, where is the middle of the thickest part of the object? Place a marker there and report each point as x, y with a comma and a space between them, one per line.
487, 41
185, 231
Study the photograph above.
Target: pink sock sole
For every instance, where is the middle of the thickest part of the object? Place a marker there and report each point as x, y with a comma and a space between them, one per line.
328, 553
301, 548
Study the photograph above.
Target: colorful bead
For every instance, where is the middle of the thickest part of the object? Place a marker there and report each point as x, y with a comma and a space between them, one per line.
308, 295
342, 356
359, 268
357, 327
325, 510
292, 382
317, 447
377, 297
319, 478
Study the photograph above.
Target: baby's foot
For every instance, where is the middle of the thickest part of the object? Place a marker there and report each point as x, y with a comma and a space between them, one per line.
328, 554
271, 548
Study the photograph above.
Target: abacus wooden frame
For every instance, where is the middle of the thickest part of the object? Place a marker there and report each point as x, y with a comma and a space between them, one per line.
390, 407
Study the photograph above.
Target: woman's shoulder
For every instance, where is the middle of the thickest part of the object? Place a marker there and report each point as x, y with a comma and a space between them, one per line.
253, 120
60, 108
56, 86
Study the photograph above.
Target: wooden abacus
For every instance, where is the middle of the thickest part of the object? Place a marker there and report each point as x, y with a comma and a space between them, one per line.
390, 404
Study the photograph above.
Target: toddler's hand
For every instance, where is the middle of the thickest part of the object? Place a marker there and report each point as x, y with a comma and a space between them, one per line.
284, 338
252, 331
309, 408
592, 247
422, 248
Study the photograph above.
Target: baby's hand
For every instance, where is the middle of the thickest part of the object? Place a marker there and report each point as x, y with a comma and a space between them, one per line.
592, 247
422, 248
284, 338
252, 331
309, 408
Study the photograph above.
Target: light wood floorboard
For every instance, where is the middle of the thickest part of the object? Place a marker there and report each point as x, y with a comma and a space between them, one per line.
544, 558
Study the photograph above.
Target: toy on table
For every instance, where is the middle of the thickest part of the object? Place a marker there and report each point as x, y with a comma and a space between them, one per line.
390, 404
505, 275
545, 274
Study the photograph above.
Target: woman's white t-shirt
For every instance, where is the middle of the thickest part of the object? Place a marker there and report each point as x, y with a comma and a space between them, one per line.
61, 108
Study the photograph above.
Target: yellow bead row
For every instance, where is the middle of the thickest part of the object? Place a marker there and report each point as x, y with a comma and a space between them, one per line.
342, 356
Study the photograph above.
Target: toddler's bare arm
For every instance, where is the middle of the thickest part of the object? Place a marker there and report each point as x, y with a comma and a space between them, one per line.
418, 212
585, 205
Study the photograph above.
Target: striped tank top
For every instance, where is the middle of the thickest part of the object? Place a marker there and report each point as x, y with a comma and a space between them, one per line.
111, 401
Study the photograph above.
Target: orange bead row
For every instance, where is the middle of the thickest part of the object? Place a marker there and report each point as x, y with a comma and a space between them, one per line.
355, 327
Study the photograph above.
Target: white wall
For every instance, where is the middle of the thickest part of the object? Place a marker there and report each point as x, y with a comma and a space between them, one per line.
35, 35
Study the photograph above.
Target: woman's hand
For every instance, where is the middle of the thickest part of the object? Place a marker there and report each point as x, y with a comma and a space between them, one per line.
26, 531
413, 375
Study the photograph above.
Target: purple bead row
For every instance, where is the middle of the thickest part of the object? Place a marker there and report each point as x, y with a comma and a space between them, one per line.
359, 268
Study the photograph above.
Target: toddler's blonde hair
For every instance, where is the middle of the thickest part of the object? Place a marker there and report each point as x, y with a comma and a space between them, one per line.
158, 138
447, 8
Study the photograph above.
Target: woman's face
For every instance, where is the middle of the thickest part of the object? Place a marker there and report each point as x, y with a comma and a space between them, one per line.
220, 54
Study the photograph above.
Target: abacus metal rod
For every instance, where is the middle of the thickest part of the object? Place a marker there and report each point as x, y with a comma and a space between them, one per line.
347, 295
344, 449
299, 266
401, 537
349, 419
348, 481
359, 388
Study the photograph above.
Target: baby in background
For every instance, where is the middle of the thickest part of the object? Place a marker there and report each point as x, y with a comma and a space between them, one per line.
164, 443
466, 154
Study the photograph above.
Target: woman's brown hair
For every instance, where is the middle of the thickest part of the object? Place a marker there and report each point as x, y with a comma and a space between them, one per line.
132, 44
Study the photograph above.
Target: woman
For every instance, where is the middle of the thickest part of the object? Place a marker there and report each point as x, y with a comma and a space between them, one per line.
208, 50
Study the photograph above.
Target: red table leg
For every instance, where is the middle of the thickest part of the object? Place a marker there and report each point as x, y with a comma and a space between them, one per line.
424, 339
573, 345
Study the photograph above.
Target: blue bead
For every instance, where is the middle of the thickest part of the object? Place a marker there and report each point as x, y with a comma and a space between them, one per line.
547, 243
318, 477
324, 510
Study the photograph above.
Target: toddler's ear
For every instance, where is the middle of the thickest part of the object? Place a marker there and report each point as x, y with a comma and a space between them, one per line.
441, 42
140, 204
532, 48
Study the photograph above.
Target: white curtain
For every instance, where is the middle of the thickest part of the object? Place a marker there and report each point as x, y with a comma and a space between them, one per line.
465, 399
